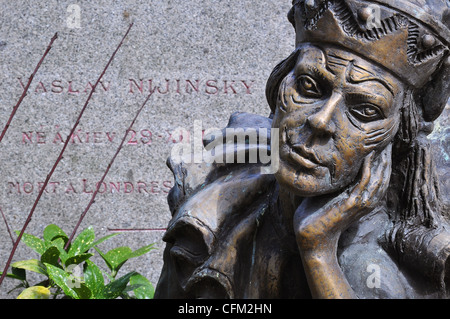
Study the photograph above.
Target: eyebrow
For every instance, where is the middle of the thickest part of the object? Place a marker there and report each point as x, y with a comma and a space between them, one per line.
335, 60
315, 71
372, 77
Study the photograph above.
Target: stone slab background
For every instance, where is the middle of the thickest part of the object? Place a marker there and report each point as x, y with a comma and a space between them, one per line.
207, 59
198, 53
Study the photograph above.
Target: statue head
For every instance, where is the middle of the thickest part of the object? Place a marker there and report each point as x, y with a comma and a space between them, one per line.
363, 76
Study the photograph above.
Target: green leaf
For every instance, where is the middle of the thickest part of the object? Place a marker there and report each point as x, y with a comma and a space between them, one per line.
18, 273
118, 256
33, 242
145, 289
60, 243
83, 242
108, 275
13, 276
131, 287
116, 287
104, 258
52, 232
101, 240
115, 258
78, 259
35, 292
51, 256
31, 265
62, 279
83, 291
72, 287
93, 279
141, 251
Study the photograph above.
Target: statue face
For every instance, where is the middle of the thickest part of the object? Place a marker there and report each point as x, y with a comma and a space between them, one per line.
333, 110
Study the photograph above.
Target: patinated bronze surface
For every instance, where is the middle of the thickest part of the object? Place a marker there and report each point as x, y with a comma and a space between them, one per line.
353, 209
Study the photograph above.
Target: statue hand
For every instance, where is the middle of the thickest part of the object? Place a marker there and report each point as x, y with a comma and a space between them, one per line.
320, 221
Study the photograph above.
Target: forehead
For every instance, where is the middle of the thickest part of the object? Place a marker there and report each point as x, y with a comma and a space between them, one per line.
355, 68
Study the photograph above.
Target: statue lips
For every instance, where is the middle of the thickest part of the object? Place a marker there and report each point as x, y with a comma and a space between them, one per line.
299, 154
304, 157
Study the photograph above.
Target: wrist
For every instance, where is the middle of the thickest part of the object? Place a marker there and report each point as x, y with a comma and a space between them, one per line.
318, 246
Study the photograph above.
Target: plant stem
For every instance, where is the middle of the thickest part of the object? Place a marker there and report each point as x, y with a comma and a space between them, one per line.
58, 160
25, 90
107, 170
7, 226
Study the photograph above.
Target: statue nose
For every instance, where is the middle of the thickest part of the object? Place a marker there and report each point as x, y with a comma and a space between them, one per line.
321, 121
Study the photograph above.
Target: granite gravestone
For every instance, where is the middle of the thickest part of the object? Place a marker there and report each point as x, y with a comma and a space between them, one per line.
203, 59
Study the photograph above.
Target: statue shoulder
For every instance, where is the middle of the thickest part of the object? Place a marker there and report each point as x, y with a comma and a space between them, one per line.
372, 273
374, 270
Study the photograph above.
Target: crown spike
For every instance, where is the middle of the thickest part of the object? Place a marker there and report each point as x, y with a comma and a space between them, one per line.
365, 13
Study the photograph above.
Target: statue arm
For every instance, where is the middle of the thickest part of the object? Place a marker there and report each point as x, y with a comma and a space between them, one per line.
319, 223
325, 277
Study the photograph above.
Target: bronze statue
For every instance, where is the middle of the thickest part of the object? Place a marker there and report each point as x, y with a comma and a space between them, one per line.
353, 209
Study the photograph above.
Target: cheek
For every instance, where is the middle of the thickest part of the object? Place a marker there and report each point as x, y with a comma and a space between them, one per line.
378, 136
353, 145
348, 157
289, 112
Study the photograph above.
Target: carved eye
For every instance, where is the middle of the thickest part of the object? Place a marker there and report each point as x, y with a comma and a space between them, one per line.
308, 87
367, 113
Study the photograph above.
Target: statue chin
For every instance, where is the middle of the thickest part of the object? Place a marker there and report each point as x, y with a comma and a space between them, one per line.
309, 183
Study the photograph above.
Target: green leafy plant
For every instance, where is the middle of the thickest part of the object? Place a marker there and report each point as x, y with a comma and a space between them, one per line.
70, 272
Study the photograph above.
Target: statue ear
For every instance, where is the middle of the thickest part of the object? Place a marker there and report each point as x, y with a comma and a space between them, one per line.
437, 92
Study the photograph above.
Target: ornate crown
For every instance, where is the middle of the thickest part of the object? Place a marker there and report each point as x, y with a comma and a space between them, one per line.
409, 37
